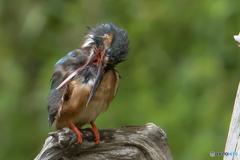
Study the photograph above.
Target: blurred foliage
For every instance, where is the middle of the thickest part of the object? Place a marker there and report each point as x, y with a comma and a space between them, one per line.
182, 72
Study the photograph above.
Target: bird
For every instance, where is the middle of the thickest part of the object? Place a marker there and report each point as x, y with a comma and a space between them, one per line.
85, 81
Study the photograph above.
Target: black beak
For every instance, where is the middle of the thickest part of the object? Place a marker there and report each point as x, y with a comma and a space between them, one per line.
99, 74
97, 81
75, 72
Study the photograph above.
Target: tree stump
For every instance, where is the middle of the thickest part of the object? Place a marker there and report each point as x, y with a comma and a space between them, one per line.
148, 142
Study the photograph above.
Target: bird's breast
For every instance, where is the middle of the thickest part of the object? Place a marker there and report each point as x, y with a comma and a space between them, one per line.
82, 114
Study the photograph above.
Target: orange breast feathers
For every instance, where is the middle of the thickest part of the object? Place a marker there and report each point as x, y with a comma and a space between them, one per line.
74, 109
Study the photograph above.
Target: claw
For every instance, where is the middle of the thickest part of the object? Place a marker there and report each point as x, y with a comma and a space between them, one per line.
96, 133
79, 134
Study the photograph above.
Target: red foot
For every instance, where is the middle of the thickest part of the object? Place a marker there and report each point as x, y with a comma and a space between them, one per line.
79, 134
95, 131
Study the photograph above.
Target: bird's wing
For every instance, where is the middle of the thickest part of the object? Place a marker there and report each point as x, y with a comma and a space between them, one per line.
63, 68
56, 97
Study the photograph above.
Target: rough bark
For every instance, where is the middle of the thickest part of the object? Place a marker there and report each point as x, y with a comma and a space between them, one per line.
136, 142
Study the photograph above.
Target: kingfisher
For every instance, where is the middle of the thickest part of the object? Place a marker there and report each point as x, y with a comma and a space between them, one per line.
85, 81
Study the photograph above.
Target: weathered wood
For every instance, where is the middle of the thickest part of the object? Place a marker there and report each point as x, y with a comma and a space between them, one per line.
233, 140
147, 142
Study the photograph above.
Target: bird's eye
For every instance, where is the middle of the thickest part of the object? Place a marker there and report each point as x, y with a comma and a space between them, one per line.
109, 52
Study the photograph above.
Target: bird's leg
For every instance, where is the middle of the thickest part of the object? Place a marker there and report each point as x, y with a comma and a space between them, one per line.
79, 134
95, 131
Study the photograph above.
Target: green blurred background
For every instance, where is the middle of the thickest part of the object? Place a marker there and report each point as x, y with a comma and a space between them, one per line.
182, 72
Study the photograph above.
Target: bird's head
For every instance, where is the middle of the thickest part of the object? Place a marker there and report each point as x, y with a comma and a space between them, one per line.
107, 45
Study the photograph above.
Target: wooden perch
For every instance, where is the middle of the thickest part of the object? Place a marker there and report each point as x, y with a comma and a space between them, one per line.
148, 142
233, 140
